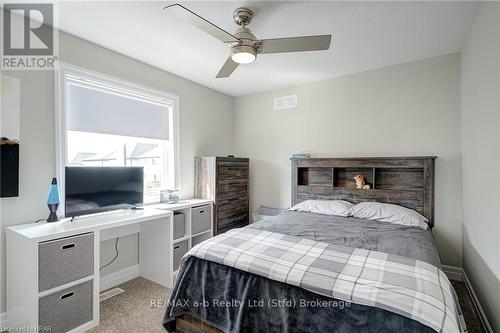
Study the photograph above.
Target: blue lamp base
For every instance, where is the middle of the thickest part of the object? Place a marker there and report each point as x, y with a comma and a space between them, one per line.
53, 213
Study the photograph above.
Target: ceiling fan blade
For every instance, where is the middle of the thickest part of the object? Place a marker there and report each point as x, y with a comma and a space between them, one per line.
227, 69
196, 20
296, 44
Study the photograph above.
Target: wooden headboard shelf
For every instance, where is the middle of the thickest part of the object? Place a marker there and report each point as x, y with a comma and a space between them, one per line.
405, 181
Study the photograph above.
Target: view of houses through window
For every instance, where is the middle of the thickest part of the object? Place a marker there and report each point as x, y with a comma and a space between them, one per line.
96, 149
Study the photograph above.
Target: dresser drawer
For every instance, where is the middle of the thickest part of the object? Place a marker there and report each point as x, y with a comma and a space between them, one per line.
234, 163
65, 260
234, 203
238, 224
65, 310
232, 197
233, 172
236, 211
201, 219
232, 185
235, 221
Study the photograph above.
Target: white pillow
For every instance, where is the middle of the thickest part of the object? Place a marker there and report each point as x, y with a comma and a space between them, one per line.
327, 207
388, 213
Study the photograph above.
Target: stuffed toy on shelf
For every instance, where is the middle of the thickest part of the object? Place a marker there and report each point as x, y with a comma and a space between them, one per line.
361, 182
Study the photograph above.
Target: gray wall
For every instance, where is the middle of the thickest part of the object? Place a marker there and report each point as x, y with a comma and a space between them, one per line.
408, 109
481, 158
206, 128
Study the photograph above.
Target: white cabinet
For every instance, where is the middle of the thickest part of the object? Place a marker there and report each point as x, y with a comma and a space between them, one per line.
198, 223
52, 269
51, 281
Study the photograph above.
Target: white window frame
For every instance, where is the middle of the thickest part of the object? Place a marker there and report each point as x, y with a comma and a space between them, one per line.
61, 125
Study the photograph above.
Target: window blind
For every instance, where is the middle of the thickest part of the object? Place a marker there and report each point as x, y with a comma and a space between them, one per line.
101, 108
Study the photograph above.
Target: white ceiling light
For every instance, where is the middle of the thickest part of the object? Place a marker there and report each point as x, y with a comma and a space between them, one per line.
243, 54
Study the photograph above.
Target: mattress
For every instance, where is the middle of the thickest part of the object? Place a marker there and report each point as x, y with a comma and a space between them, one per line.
238, 301
412, 242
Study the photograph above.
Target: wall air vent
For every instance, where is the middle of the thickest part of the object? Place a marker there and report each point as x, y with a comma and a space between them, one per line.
285, 102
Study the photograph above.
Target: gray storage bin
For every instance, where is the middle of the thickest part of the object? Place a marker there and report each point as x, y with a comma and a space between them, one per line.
200, 219
200, 238
179, 225
264, 212
65, 260
180, 249
67, 309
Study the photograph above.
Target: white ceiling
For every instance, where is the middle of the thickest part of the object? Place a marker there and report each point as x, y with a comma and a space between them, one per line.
366, 35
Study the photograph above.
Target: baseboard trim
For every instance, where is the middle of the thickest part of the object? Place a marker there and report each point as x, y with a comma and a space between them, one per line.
458, 274
453, 272
119, 277
477, 304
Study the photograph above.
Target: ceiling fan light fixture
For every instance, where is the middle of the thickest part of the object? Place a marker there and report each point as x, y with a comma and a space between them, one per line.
243, 54
244, 45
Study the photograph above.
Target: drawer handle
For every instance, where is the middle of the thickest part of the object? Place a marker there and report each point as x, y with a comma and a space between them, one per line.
232, 199
68, 246
66, 296
176, 247
201, 211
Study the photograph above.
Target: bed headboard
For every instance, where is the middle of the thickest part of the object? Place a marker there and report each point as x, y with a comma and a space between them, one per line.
404, 181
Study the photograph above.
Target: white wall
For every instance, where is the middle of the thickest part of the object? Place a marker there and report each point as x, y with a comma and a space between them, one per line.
206, 121
408, 109
481, 158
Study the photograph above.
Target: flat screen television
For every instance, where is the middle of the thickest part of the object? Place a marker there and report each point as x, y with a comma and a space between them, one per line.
91, 190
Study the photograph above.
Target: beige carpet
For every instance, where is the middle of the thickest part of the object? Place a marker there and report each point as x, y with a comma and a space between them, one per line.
141, 307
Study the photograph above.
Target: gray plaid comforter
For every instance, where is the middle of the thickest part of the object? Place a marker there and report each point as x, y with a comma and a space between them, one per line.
408, 287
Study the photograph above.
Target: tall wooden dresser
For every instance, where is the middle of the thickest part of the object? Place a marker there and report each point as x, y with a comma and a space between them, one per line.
224, 180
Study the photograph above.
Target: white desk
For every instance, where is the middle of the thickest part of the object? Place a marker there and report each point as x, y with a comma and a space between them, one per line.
33, 249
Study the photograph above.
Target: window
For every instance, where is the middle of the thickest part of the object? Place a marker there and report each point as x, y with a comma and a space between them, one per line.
95, 149
104, 122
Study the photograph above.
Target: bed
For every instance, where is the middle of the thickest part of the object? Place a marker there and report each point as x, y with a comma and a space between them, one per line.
213, 296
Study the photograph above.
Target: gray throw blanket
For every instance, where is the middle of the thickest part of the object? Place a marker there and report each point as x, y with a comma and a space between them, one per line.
408, 287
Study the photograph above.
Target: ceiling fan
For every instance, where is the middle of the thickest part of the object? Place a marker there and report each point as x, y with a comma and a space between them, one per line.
244, 45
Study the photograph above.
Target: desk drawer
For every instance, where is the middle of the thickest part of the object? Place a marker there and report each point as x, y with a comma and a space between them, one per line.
67, 309
200, 219
180, 250
201, 238
179, 225
65, 260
